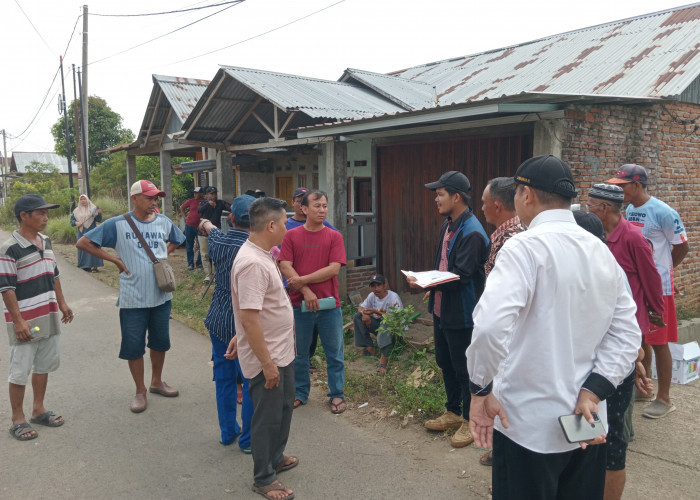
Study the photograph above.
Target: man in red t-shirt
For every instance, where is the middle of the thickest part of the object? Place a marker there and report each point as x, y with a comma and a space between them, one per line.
192, 219
310, 260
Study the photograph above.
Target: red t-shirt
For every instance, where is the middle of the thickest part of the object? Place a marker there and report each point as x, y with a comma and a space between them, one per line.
193, 216
309, 251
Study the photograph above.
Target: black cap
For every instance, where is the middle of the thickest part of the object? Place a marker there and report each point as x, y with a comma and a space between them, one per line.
210, 189
590, 223
452, 179
547, 173
29, 202
300, 191
378, 278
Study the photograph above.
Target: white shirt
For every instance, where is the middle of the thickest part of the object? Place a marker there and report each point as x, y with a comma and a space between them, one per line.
555, 308
390, 300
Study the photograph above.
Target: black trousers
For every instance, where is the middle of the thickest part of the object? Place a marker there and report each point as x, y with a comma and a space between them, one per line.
521, 474
451, 357
272, 418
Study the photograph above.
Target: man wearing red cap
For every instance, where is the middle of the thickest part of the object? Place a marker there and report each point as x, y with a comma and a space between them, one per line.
663, 227
142, 305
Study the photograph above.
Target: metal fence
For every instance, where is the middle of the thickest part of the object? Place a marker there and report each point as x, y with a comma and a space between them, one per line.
361, 235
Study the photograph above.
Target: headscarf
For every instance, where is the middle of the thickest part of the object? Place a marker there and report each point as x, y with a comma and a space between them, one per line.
85, 214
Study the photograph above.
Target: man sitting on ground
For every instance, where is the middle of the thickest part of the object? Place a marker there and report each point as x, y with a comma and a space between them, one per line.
369, 317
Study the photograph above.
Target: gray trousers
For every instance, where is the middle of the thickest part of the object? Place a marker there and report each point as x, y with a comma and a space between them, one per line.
363, 337
272, 418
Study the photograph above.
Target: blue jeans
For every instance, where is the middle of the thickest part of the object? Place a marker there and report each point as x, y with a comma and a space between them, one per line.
330, 325
225, 376
190, 236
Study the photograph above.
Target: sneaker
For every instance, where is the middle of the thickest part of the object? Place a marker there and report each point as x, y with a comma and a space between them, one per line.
658, 409
462, 437
207, 280
447, 420
190, 267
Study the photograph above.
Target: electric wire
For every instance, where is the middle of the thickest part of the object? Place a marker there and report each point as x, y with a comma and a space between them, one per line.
168, 12
163, 35
257, 36
37, 31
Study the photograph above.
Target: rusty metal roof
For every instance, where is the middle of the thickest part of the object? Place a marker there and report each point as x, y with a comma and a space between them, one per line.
171, 101
653, 55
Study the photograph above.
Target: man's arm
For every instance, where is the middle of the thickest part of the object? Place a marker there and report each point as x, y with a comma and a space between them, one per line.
250, 320
22, 327
67, 313
649, 277
86, 245
472, 251
182, 209
679, 252
324, 274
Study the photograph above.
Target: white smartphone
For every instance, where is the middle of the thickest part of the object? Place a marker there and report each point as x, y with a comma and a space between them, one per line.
576, 429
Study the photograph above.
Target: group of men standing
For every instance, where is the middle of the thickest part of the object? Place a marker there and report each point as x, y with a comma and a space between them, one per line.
546, 320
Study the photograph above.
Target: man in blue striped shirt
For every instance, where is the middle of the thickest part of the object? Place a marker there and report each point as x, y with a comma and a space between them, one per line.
223, 248
142, 305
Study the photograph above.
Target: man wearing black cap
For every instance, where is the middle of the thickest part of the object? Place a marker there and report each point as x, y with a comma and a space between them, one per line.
554, 334
189, 211
463, 249
661, 225
369, 317
210, 209
32, 294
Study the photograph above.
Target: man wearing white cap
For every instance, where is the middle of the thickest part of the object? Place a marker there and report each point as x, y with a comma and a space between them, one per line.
142, 305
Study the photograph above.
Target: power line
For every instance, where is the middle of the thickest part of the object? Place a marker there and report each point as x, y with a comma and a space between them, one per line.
37, 31
168, 12
257, 36
169, 33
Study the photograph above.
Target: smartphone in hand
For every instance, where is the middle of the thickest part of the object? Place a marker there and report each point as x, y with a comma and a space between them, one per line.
576, 429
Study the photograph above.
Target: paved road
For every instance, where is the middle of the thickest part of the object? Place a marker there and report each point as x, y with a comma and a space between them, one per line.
172, 449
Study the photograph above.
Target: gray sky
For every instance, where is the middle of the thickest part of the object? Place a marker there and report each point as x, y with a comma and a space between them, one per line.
374, 35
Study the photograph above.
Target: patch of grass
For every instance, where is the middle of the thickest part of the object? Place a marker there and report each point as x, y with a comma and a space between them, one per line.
188, 307
60, 230
111, 207
683, 313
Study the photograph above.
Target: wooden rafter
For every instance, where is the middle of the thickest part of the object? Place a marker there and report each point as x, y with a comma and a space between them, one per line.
286, 123
206, 105
153, 116
242, 120
165, 126
262, 122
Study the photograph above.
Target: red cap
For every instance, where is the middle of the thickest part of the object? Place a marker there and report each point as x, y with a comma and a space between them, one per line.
146, 188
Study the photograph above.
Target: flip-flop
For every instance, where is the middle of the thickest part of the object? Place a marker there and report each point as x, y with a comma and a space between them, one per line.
24, 428
48, 419
487, 459
298, 403
379, 369
274, 486
281, 467
335, 407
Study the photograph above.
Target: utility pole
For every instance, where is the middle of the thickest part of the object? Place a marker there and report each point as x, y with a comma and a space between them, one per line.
84, 92
65, 122
78, 134
5, 167
83, 129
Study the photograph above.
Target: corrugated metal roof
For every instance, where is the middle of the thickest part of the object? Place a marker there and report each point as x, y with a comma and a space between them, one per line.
409, 94
23, 159
315, 98
654, 55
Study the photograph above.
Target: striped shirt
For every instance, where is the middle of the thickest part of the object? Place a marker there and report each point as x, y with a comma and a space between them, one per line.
223, 248
32, 274
138, 289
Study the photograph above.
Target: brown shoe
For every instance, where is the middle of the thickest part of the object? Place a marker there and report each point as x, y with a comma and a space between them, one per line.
139, 404
447, 420
462, 437
165, 390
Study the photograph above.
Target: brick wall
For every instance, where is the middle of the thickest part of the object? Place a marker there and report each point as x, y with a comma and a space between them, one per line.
358, 277
663, 138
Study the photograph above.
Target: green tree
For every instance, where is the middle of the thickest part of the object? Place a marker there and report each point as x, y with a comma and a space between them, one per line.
104, 127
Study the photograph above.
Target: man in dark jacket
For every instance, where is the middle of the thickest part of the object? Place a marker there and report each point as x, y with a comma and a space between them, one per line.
463, 249
211, 209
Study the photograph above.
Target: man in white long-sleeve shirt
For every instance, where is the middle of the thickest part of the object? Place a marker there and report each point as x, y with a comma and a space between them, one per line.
554, 333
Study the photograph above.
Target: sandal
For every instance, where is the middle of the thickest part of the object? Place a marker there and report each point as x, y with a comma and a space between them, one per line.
286, 464
18, 432
381, 367
49, 419
298, 403
487, 459
335, 407
273, 486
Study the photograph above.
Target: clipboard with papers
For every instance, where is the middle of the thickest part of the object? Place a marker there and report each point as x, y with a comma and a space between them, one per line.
425, 279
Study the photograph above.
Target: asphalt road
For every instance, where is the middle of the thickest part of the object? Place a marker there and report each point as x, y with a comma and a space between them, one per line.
171, 451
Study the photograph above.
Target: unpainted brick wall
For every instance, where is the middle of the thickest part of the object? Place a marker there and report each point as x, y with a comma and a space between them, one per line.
665, 139
358, 277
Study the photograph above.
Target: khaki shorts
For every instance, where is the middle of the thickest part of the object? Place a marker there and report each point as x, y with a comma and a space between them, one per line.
38, 357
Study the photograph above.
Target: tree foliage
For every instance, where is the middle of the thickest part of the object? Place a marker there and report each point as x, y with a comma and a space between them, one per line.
105, 130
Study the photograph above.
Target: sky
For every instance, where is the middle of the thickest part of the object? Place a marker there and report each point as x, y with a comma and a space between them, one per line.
317, 38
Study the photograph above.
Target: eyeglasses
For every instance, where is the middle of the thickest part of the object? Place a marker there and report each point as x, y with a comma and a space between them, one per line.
594, 206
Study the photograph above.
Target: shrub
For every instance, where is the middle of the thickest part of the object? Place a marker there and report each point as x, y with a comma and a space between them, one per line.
60, 230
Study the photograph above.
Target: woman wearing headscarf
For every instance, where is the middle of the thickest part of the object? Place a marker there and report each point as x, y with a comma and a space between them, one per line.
85, 217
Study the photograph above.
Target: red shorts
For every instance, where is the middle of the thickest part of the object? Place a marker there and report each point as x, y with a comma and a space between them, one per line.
669, 333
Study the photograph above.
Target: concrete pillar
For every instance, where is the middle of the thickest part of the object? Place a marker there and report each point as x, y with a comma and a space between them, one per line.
130, 177
548, 138
224, 176
166, 183
336, 156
